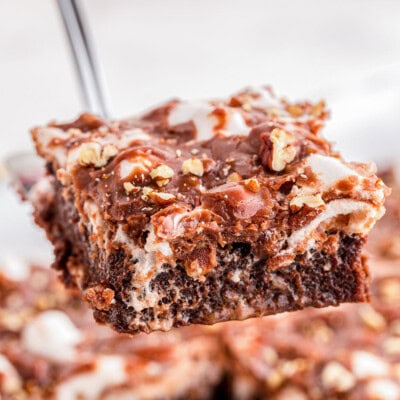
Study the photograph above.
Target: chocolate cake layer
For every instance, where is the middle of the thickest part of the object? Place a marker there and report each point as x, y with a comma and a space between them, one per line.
201, 212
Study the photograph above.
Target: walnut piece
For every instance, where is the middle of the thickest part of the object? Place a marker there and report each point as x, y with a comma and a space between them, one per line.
92, 153
193, 166
162, 174
130, 188
277, 149
162, 197
295, 110
312, 201
318, 109
63, 176
147, 191
275, 379
283, 151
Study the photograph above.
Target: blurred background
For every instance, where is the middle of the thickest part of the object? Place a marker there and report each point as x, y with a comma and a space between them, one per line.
346, 51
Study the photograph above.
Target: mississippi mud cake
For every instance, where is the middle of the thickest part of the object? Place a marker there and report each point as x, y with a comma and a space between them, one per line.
206, 211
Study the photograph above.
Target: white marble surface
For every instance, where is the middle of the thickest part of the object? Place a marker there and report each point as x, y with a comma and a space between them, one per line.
346, 51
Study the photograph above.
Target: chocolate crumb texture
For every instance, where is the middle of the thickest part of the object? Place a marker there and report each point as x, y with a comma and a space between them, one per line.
206, 211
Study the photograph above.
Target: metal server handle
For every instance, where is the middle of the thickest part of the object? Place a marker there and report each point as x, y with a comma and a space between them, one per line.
85, 63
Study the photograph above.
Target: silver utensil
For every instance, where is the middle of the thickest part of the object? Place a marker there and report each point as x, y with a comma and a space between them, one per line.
23, 169
83, 55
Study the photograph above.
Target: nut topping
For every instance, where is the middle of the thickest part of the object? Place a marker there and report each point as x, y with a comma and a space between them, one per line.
92, 153
158, 197
283, 151
193, 166
63, 176
277, 149
275, 379
318, 109
146, 193
130, 188
162, 174
247, 107
100, 297
252, 184
294, 110
312, 201
162, 197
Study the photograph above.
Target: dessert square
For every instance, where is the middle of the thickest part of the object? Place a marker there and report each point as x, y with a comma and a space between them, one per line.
206, 211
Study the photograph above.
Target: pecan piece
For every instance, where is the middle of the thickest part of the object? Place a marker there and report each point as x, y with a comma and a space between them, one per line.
277, 149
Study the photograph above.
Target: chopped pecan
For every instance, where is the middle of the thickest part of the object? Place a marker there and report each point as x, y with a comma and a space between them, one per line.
277, 149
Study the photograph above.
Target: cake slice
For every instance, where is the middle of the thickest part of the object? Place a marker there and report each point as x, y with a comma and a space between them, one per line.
206, 211
50, 348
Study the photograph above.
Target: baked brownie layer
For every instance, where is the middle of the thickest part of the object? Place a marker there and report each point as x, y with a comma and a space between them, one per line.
240, 288
206, 211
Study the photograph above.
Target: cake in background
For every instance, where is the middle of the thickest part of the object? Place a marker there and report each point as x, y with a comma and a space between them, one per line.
50, 348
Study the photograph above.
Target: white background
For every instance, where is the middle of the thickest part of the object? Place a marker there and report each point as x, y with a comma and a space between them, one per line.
347, 51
